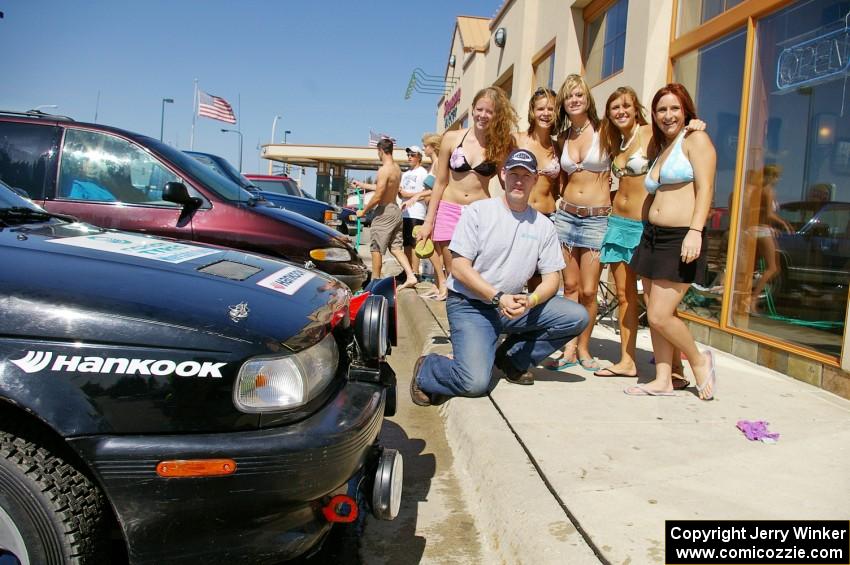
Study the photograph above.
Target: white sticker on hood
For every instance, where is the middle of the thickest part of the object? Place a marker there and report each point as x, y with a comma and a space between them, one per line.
287, 280
138, 246
36, 361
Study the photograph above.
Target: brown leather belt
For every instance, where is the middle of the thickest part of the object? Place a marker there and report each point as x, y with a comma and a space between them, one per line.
584, 211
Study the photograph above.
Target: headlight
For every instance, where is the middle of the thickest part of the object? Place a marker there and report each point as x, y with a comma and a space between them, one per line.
277, 383
330, 254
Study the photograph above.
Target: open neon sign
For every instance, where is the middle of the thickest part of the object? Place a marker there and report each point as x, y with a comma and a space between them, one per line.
814, 60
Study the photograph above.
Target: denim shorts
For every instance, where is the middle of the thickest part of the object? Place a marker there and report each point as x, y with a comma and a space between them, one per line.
621, 239
582, 232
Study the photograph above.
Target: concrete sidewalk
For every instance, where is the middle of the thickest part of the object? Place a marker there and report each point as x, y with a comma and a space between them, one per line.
571, 470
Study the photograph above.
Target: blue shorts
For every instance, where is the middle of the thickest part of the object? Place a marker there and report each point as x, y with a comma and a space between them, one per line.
581, 232
621, 239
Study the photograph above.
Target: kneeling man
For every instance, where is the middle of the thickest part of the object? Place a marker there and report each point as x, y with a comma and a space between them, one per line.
498, 245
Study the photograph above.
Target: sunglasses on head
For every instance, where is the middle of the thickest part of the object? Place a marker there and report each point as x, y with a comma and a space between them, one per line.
541, 91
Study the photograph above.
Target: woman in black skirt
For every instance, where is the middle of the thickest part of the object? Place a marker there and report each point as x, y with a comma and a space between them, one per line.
672, 252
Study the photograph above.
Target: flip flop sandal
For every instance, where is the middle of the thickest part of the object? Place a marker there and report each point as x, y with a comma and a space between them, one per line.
557, 364
712, 377
640, 390
612, 373
589, 364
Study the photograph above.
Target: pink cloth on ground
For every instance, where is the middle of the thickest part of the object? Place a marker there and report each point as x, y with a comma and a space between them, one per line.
448, 215
757, 430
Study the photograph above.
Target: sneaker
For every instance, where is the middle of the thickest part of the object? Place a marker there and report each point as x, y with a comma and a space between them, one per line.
417, 395
512, 374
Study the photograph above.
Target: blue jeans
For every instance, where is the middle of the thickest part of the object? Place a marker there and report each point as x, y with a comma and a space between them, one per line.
475, 328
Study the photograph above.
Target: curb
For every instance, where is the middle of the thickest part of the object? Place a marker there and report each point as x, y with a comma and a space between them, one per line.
520, 519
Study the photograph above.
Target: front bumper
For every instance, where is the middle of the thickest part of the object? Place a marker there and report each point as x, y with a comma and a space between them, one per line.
267, 511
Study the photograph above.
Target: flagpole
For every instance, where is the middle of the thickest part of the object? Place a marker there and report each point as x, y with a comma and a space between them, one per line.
194, 114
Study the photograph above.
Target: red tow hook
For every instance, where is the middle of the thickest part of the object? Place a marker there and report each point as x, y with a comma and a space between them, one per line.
341, 508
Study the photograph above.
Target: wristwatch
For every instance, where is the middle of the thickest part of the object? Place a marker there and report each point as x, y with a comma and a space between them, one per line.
496, 297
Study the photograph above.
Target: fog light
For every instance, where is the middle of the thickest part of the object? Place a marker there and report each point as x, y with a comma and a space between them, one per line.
386, 494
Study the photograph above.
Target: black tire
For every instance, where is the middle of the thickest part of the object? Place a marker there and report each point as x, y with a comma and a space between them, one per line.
57, 510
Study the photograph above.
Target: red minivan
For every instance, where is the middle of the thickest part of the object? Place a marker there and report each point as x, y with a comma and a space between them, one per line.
118, 179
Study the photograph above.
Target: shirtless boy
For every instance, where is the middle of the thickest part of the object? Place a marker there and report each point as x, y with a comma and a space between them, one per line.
386, 225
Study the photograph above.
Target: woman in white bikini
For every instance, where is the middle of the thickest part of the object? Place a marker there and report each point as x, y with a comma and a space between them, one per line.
672, 252
582, 215
459, 183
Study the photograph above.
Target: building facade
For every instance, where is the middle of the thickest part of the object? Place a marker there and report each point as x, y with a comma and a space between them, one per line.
770, 79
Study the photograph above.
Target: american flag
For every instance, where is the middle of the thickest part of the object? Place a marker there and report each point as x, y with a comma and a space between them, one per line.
215, 107
374, 138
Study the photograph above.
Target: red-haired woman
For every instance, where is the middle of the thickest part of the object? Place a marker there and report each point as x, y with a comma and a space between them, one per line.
672, 251
625, 137
468, 160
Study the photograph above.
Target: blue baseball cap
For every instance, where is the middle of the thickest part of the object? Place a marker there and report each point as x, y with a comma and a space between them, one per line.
522, 158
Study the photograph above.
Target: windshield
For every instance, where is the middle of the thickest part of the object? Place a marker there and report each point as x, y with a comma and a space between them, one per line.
222, 167
11, 199
222, 186
279, 186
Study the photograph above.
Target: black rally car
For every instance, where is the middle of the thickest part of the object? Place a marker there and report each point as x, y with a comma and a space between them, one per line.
201, 404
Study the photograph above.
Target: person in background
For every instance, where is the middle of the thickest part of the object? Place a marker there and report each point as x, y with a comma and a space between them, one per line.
413, 209
672, 251
431, 144
468, 160
498, 245
538, 139
761, 199
625, 137
386, 225
582, 216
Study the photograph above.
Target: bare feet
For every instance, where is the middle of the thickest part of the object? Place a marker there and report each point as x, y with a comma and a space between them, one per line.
408, 283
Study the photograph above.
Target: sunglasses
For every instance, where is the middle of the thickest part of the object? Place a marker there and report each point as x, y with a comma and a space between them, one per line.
541, 91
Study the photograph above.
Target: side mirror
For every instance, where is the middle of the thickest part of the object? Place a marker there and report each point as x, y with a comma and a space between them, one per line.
178, 193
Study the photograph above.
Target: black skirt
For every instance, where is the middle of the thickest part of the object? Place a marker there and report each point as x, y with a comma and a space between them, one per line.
659, 256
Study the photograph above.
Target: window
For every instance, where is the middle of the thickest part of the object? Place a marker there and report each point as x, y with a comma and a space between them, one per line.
605, 45
544, 70
27, 152
713, 75
693, 13
792, 259
96, 167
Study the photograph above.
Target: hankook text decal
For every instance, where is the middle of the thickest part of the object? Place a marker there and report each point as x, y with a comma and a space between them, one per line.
35, 361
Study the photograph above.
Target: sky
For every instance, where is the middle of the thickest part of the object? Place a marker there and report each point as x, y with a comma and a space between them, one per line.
332, 69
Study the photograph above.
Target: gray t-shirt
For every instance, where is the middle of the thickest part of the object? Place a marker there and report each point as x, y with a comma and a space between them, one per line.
505, 247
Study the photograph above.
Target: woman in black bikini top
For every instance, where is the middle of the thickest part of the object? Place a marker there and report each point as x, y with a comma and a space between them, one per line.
459, 164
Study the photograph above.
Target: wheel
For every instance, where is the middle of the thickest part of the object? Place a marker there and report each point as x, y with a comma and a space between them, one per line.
49, 511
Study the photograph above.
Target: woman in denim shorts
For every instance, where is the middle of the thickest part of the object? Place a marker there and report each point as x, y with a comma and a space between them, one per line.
582, 215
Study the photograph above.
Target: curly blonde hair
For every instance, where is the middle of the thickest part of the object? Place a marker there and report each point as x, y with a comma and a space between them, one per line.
433, 141
562, 122
499, 134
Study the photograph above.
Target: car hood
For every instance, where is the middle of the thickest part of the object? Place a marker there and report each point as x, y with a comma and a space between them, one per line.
288, 201
311, 226
76, 282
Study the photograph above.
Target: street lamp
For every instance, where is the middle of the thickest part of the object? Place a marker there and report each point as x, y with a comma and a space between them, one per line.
287, 132
239, 133
162, 115
274, 124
